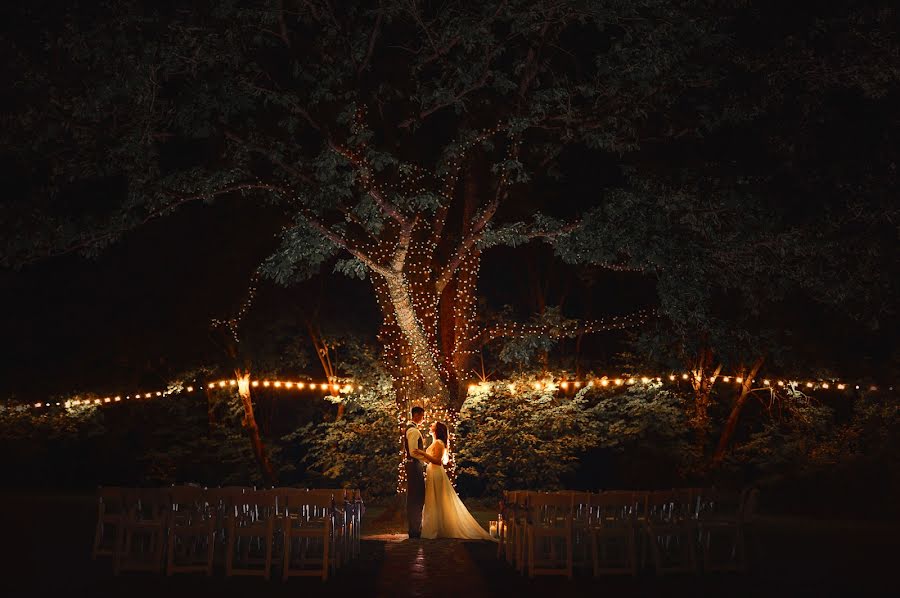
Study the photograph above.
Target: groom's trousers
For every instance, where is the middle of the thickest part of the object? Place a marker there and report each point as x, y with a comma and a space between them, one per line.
415, 496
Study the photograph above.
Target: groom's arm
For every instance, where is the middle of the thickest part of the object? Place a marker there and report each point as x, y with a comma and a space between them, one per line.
412, 439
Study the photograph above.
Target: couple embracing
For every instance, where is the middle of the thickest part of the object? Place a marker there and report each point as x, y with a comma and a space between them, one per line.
445, 515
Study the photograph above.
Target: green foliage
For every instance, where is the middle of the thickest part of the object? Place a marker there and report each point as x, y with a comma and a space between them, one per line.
523, 439
358, 450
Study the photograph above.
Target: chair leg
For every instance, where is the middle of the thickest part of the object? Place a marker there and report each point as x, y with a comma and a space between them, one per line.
229, 551
325, 558
269, 538
530, 537
170, 553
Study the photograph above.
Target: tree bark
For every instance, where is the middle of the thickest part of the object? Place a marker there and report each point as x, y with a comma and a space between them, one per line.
734, 416
421, 348
702, 381
249, 422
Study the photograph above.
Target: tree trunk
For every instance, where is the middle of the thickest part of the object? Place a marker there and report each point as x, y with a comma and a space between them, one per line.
249, 422
734, 416
422, 351
702, 381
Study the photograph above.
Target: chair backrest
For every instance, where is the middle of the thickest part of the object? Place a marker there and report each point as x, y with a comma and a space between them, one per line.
612, 506
550, 510
303, 507
188, 505
146, 503
581, 506
715, 502
111, 501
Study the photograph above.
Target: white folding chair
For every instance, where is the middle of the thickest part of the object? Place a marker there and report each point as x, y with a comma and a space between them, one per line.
670, 531
548, 529
141, 540
250, 533
110, 516
308, 534
192, 531
613, 533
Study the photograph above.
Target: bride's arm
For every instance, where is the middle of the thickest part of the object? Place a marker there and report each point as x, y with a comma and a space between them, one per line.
427, 457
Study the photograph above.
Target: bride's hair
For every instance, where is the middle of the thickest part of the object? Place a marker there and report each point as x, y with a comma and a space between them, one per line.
441, 433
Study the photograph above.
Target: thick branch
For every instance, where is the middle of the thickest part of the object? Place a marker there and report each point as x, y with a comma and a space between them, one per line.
403, 245
340, 241
365, 63
360, 163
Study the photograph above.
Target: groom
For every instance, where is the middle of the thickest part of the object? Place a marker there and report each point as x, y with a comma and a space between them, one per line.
415, 473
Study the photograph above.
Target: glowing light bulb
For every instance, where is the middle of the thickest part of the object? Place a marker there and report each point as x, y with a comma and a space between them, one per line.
266, 383
472, 387
841, 386
824, 385
809, 385
766, 382
645, 379
739, 380
300, 385
231, 383
288, 384
255, 383
577, 384
537, 385
564, 385
147, 396
618, 382
684, 376
278, 384
190, 389
671, 377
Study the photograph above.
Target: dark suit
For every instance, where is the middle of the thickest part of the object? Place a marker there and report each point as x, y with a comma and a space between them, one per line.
415, 486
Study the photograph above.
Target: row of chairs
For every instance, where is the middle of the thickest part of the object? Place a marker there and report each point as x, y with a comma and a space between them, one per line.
613, 532
190, 528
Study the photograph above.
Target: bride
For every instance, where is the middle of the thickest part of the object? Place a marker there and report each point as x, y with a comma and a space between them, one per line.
445, 515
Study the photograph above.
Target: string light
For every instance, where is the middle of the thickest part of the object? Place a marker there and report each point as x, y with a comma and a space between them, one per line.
347, 388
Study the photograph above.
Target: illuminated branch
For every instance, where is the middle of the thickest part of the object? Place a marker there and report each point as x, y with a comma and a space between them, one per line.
362, 165
515, 329
340, 241
403, 245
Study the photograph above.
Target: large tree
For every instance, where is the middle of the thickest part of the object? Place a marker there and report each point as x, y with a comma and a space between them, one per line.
402, 139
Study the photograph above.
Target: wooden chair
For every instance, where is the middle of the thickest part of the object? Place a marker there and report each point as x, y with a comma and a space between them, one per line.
581, 518
613, 531
141, 540
358, 509
250, 533
192, 531
308, 525
505, 521
670, 532
720, 532
549, 526
520, 539
111, 513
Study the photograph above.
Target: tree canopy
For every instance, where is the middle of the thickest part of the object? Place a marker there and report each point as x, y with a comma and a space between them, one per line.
402, 139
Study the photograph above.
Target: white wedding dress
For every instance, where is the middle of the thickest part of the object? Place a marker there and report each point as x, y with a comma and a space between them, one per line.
445, 515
